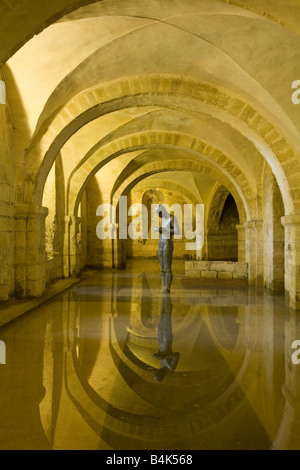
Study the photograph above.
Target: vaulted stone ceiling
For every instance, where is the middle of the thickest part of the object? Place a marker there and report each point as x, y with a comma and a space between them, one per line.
125, 84
21, 20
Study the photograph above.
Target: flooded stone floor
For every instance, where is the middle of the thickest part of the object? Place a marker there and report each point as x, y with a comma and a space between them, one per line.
113, 364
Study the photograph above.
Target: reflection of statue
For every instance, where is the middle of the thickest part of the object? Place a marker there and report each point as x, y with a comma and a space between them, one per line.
168, 359
165, 252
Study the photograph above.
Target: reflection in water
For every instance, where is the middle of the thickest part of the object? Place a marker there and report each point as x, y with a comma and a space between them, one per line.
95, 369
165, 355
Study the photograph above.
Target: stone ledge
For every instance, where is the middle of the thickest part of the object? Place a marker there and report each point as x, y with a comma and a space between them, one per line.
218, 270
225, 275
16, 309
209, 274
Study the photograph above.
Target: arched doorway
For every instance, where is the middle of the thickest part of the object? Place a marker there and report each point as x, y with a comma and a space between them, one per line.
222, 235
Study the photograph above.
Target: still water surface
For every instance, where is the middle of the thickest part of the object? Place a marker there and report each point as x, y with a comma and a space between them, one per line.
114, 364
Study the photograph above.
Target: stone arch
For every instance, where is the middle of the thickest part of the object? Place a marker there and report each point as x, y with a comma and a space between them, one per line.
216, 207
148, 170
159, 139
86, 106
169, 186
221, 244
40, 18
141, 174
272, 144
161, 167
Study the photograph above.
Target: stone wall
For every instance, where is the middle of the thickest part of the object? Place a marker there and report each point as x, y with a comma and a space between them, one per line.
7, 199
223, 245
83, 232
225, 270
222, 236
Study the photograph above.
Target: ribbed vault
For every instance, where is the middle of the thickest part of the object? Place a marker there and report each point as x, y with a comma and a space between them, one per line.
272, 145
104, 95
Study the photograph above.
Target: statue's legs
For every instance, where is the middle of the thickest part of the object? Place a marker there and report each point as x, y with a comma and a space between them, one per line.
165, 258
168, 267
162, 269
169, 279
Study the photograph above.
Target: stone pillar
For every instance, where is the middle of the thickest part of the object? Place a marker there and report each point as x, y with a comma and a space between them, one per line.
66, 247
259, 225
30, 254
75, 246
118, 247
205, 246
292, 259
278, 242
241, 243
254, 251
7, 198
107, 259
72, 251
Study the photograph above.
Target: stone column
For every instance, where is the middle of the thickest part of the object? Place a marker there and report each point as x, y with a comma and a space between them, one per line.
72, 249
278, 242
241, 243
75, 246
66, 247
292, 259
30, 254
254, 251
117, 247
7, 198
259, 225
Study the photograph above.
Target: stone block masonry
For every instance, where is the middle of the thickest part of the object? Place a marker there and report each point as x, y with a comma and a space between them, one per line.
223, 270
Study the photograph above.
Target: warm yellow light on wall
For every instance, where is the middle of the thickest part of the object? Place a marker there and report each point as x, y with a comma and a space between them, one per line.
2, 92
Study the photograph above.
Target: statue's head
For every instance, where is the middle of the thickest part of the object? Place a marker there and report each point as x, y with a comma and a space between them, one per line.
161, 212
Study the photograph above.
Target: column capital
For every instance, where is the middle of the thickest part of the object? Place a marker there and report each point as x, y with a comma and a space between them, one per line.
254, 224
290, 220
26, 211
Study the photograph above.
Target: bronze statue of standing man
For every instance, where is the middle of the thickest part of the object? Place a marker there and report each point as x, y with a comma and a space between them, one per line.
168, 229
168, 359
